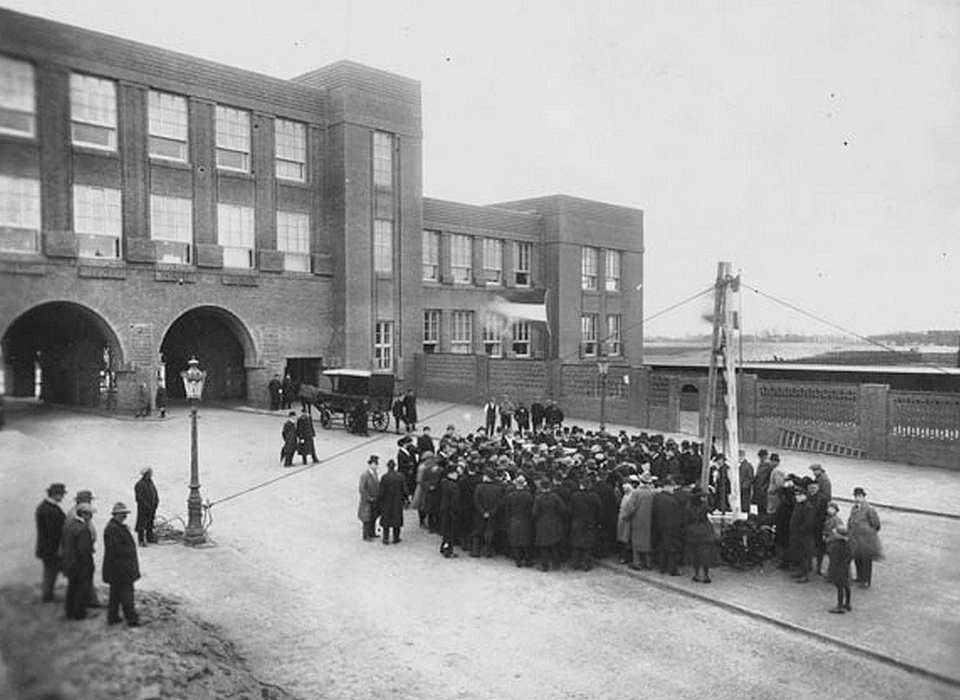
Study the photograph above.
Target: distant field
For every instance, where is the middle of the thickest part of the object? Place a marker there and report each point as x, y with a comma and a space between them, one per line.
813, 353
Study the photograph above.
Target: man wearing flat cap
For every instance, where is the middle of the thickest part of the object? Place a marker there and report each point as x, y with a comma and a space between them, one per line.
120, 567
50, 517
148, 500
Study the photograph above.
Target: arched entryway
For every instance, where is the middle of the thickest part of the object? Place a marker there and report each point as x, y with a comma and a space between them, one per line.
62, 352
690, 409
219, 340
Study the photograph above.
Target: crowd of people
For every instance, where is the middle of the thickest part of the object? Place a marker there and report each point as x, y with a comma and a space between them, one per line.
556, 495
66, 544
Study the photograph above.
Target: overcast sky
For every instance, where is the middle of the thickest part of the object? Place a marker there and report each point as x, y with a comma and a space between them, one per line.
815, 145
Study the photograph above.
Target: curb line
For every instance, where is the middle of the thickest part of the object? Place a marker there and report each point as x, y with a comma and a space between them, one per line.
783, 624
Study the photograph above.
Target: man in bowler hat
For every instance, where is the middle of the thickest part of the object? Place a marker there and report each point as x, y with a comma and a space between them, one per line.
50, 518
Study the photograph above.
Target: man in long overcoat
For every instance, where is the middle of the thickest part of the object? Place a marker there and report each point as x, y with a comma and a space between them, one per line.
746, 482
120, 567
668, 529
761, 484
305, 435
802, 526
148, 500
77, 561
393, 496
609, 511
274, 386
518, 508
369, 498
537, 411
410, 410
639, 513
50, 518
585, 510
486, 501
290, 439
449, 511
407, 463
549, 524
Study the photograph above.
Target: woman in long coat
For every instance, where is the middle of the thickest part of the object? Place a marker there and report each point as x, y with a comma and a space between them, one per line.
549, 525
699, 537
863, 525
518, 508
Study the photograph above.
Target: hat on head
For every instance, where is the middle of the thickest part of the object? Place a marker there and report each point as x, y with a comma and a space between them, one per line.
119, 507
816, 468
859, 491
56, 488
84, 496
86, 507
774, 457
374, 459
146, 470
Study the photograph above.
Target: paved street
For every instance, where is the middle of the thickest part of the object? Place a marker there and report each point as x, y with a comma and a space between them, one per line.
315, 609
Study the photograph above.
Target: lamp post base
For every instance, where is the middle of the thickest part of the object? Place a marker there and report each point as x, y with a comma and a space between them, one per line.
194, 534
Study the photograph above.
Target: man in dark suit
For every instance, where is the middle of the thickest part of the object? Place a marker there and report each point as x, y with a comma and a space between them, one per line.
290, 440
50, 518
449, 511
120, 567
305, 435
393, 495
77, 561
537, 412
274, 386
407, 463
148, 500
410, 410
425, 443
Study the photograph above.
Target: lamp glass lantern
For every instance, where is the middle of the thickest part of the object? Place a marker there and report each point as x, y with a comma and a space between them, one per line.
193, 379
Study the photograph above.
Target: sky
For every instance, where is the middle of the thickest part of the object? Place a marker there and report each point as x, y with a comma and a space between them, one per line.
814, 145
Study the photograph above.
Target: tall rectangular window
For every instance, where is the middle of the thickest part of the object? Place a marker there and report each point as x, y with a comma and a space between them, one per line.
521, 339
612, 339
168, 126
233, 139
613, 271
431, 256
383, 246
431, 331
461, 333
383, 345
461, 259
493, 337
293, 240
521, 264
93, 112
171, 228
18, 106
493, 260
588, 269
291, 140
383, 160
19, 214
235, 234
588, 334
97, 221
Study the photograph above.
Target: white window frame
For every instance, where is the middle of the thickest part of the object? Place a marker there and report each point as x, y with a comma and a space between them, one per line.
613, 340
461, 332
93, 110
461, 258
520, 333
383, 345
168, 127
98, 221
18, 98
383, 246
236, 235
613, 264
233, 138
589, 280
383, 160
19, 214
588, 334
522, 264
493, 336
493, 261
431, 256
171, 227
431, 331
293, 240
291, 150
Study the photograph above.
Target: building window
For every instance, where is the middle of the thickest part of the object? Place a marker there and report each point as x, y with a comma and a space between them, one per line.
168, 126
97, 221
19, 214
383, 246
493, 260
588, 269
431, 331
493, 336
461, 333
293, 240
18, 109
235, 234
93, 111
291, 150
233, 139
383, 345
461, 259
383, 160
171, 228
521, 339
612, 339
521, 264
431, 256
588, 334
613, 271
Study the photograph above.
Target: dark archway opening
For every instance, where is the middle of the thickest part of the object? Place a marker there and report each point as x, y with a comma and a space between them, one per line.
64, 353
208, 335
690, 409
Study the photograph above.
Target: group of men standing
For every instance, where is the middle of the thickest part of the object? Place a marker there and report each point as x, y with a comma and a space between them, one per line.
518, 417
298, 435
282, 392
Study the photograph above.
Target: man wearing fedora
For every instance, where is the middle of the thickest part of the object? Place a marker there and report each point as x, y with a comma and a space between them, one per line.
148, 500
368, 509
77, 561
50, 518
120, 567
86, 496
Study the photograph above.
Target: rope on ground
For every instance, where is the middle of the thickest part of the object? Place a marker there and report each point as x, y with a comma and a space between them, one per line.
172, 530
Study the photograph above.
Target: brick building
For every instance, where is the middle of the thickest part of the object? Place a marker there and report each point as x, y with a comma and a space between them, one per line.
155, 206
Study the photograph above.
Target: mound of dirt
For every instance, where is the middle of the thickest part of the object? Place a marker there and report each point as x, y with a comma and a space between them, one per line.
173, 655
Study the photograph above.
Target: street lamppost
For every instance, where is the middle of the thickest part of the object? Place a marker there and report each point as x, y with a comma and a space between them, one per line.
193, 379
603, 366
